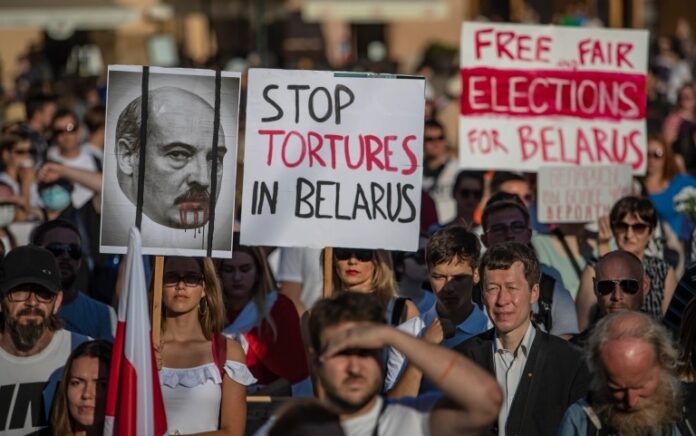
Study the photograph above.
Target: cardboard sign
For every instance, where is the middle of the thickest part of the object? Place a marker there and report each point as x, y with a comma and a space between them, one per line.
177, 217
536, 96
580, 194
332, 159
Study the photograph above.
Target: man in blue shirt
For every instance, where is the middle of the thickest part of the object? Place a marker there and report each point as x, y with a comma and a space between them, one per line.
80, 313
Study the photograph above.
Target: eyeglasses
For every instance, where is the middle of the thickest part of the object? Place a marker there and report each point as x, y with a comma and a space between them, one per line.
470, 193
638, 228
417, 256
57, 131
20, 295
629, 286
58, 249
657, 153
190, 279
434, 138
514, 227
360, 254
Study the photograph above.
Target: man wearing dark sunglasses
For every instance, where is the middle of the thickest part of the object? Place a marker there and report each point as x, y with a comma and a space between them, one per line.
33, 346
620, 285
81, 313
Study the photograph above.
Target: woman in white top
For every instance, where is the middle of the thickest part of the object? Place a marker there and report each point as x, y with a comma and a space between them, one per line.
203, 375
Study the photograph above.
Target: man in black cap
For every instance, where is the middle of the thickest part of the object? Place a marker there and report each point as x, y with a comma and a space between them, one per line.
33, 346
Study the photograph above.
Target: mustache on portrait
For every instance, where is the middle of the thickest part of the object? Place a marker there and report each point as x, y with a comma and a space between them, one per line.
194, 195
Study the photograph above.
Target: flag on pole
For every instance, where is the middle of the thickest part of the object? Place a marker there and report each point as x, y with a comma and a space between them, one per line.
134, 403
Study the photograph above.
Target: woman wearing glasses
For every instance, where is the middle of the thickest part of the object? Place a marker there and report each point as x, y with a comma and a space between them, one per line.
203, 374
265, 321
632, 220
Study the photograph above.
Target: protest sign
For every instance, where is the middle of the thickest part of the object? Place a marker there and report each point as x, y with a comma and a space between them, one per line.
181, 193
535, 96
580, 194
332, 159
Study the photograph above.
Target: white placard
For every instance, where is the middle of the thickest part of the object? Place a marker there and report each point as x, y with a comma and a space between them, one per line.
535, 96
332, 159
580, 194
176, 218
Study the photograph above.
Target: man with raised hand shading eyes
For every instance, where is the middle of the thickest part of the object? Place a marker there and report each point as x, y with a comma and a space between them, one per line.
33, 346
178, 157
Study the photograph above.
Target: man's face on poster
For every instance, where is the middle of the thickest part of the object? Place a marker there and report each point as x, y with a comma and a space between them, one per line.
178, 160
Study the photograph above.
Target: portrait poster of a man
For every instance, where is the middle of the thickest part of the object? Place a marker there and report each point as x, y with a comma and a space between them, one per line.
184, 161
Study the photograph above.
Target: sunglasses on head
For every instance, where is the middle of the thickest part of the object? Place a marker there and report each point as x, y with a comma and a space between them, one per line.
628, 286
73, 250
67, 129
172, 278
360, 254
638, 228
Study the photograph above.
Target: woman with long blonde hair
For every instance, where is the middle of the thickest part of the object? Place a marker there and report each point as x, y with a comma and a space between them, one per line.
79, 404
265, 321
203, 374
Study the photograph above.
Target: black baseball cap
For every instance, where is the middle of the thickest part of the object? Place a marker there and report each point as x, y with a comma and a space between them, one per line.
29, 264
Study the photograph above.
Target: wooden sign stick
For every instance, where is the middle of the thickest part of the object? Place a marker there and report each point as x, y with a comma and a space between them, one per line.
328, 272
157, 309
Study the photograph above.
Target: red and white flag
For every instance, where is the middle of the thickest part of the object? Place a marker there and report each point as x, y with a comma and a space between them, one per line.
134, 403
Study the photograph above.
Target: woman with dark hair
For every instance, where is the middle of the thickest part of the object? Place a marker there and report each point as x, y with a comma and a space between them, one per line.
78, 408
632, 221
663, 181
203, 374
265, 321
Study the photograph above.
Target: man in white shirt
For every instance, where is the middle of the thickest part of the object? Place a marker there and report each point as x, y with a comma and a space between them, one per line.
33, 347
348, 335
540, 374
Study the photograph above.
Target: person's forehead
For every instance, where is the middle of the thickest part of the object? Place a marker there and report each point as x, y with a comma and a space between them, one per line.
182, 264
60, 234
469, 182
515, 186
64, 120
239, 258
194, 128
629, 361
616, 268
514, 273
454, 266
331, 331
631, 218
505, 214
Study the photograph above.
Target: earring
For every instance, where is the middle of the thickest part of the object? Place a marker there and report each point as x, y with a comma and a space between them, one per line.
203, 306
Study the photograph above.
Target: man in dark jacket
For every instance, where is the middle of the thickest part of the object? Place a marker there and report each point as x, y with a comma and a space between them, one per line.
541, 375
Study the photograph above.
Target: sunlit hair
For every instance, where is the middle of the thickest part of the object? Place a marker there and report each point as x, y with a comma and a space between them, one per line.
670, 168
383, 280
212, 317
687, 343
629, 325
61, 421
264, 283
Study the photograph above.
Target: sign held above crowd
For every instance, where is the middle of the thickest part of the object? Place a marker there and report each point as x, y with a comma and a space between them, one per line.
332, 159
536, 96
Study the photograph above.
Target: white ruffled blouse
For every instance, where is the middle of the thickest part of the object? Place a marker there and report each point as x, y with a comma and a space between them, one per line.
192, 395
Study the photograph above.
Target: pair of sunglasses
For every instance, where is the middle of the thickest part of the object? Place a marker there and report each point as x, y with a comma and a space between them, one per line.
73, 250
362, 255
628, 286
638, 228
190, 279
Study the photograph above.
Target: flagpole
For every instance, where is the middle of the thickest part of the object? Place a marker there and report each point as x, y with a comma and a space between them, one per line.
157, 308
328, 272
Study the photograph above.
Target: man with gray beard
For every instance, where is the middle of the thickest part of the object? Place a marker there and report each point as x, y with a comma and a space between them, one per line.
33, 346
634, 391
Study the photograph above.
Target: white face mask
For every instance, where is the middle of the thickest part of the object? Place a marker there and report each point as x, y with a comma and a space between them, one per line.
7, 214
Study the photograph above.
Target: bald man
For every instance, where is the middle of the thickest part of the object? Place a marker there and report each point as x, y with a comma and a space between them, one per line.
178, 156
620, 284
634, 389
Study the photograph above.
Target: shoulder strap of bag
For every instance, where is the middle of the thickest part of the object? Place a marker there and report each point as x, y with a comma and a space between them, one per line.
398, 310
546, 285
220, 352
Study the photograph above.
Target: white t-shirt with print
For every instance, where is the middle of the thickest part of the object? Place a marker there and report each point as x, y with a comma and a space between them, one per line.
22, 382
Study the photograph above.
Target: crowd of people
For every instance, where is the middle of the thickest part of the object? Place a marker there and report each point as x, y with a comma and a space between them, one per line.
496, 324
